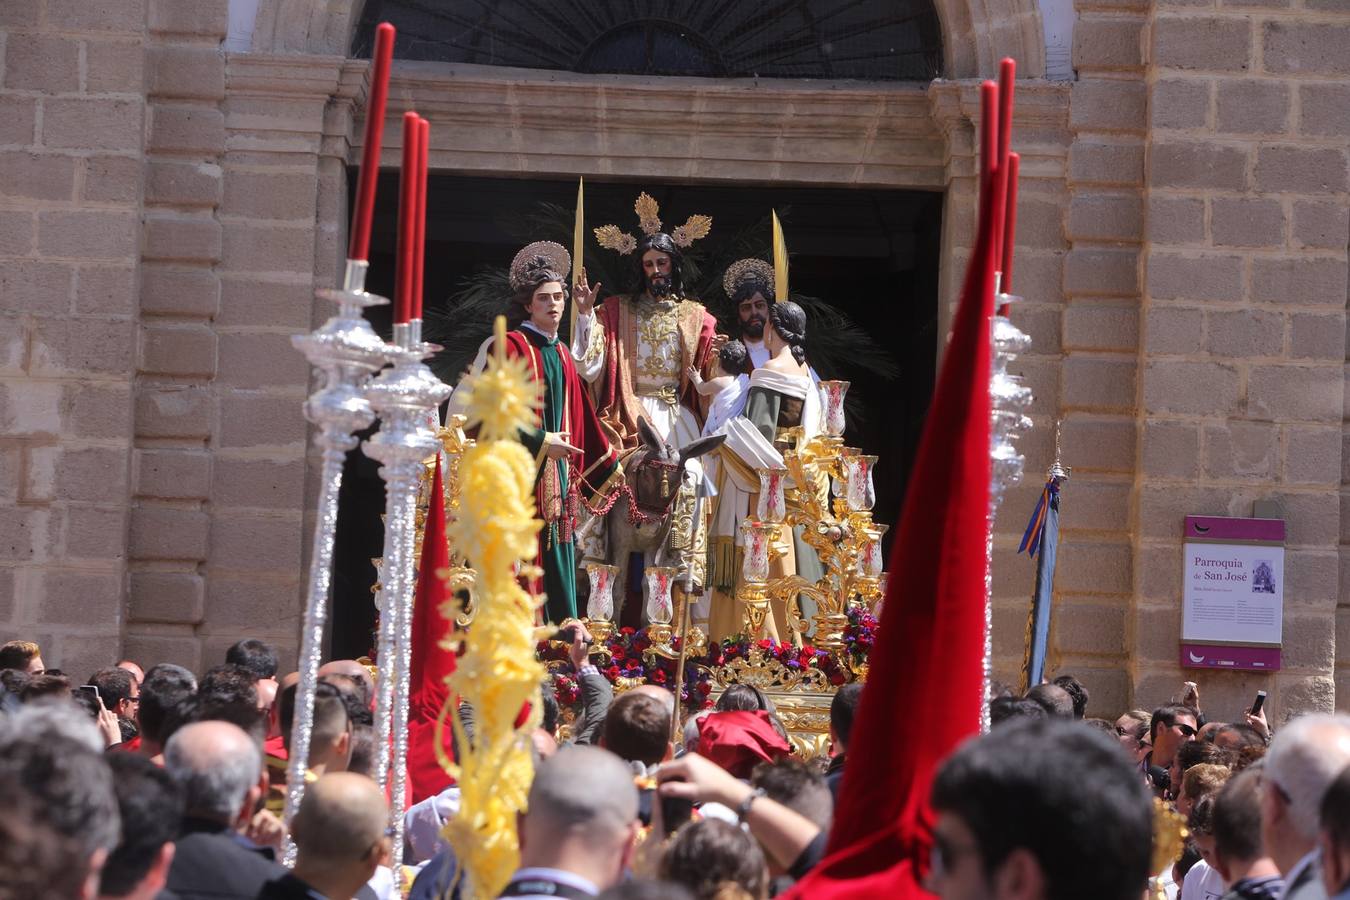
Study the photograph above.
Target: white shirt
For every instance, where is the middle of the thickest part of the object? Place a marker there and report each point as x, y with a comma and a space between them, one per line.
423, 821
1202, 883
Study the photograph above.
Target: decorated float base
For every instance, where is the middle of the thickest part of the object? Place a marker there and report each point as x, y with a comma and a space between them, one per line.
800, 681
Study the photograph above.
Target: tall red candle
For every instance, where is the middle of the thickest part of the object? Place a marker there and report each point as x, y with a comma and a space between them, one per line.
420, 241
1010, 220
407, 212
1007, 73
989, 170
359, 246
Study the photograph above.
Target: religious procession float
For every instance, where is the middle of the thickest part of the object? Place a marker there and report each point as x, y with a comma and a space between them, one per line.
608, 459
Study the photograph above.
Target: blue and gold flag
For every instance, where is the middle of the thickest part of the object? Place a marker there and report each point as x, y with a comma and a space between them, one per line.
1041, 537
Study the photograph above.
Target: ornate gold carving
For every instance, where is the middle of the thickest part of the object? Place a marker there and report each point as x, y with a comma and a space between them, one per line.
768, 674
647, 211
611, 237
658, 356
694, 228
1169, 838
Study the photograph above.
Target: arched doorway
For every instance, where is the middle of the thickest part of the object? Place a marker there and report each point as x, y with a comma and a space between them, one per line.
894, 40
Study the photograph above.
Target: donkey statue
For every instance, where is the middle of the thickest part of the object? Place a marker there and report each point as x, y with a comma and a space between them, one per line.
653, 474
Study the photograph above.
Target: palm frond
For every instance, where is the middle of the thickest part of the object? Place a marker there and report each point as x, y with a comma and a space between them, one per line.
461, 326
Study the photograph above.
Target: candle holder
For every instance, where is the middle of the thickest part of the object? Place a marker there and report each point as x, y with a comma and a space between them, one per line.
832, 393
660, 603
838, 469
869, 553
829, 631
758, 538
600, 605
755, 597
345, 350
860, 492
753, 591
772, 505
401, 396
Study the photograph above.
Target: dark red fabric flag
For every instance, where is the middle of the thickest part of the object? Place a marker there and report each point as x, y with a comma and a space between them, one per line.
431, 664
925, 683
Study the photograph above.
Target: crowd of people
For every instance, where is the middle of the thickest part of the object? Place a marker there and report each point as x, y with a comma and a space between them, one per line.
155, 783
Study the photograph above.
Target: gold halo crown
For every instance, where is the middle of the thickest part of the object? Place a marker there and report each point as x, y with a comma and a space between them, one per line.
611, 237
742, 269
539, 255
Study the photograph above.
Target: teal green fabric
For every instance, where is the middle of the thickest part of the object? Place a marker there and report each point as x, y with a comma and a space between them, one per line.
558, 557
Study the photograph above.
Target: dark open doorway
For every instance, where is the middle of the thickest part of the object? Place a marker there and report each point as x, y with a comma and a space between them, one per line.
872, 253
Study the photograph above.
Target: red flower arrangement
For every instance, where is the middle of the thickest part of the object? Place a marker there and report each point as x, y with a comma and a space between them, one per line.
626, 648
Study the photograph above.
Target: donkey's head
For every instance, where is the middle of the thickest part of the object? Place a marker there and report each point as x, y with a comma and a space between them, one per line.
655, 471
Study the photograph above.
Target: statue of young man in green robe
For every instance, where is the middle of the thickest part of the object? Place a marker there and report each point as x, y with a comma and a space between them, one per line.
575, 461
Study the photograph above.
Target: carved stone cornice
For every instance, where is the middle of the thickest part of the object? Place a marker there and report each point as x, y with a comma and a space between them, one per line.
551, 123
283, 75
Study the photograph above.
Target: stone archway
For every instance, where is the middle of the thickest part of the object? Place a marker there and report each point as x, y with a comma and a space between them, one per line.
976, 34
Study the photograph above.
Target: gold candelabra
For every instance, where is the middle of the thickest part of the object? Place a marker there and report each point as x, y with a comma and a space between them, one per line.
826, 490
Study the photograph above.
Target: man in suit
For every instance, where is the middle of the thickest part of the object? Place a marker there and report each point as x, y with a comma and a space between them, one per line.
1304, 758
1335, 840
219, 769
341, 838
578, 834
150, 805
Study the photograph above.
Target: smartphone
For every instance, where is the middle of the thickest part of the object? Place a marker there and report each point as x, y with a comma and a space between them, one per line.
568, 635
1260, 700
675, 812
90, 690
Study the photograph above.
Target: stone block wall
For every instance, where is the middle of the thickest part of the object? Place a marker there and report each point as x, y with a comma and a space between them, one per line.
179, 301
72, 126
1102, 212
1243, 352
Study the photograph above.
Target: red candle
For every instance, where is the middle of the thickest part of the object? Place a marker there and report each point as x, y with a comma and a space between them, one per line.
359, 247
1007, 72
988, 132
990, 173
420, 241
1010, 220
407, 230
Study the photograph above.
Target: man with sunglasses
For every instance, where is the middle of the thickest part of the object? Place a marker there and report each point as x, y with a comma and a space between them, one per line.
1170, 727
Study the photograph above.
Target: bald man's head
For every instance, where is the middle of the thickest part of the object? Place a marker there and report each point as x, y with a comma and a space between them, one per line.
352, 669
581, 815
217, 765
341, 820
658, 693
585, 790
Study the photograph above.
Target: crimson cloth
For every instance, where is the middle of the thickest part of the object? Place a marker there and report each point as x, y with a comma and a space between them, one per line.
925, 683
431, 663
739, 740
276, 746
579, 418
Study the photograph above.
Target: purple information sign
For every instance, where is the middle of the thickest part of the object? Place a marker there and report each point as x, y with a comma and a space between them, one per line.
1233, 597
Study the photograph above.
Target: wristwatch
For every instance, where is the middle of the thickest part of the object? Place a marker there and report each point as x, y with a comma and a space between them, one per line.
743, 809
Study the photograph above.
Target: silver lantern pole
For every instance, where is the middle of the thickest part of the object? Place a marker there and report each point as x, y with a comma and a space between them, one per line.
403, 396
345, 350
1009, 402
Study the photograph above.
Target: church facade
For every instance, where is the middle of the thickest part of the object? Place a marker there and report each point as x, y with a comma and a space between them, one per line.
174, 186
